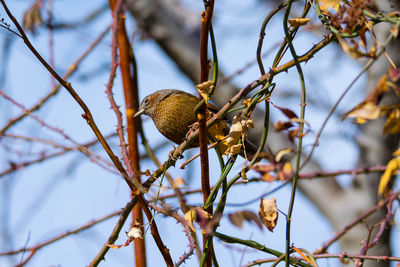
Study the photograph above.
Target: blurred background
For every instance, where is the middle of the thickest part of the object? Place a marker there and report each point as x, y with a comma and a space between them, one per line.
48, 187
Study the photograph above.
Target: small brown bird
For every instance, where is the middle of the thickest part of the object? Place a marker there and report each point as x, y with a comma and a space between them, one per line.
172, 112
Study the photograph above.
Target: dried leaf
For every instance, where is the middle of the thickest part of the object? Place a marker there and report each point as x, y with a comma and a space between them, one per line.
286, 172
394, 74
395, 29
396, 153
392, 168
127, 242
325, 5
382, 87
204, 89
217, 132
190, 216
350, 50
310, 259
239, 217
268, 213
202, 218
283, 125
199, 216
243, 174
180, 181
32, 17
297, 22
233, 149
392, 124
239, 128
283, 154
270, 178
288, 113
135, 232
363, 112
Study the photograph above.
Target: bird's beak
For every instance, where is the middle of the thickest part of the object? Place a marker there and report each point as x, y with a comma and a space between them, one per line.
140, 112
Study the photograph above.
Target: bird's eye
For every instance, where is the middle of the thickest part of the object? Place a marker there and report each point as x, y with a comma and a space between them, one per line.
146, 101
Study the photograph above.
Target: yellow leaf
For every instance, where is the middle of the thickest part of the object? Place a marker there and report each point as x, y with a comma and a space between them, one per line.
325, 5
396, 153
364, 111
392, 168
204, 89
286, 172
297, 22
190, 216
244, 175
283, 154
233, 149
268, 213
392, 124
381, 88
350, 50
246, 102
180, 181
217, 132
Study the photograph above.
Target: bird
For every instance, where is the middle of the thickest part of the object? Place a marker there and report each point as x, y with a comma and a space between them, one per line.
173, 114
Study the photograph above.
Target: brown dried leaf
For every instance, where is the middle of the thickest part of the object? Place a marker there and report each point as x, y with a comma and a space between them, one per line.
297, 22
288, 113
382, 87
204, 89
394, 74
239, 217
239, 128
243, 174
392, 124
32, 17
282, 125
268, 213
199, 216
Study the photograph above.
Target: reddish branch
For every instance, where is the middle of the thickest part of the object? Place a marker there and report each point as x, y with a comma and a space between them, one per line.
341, 256
382, 225
129, 80
202, 118
186, 228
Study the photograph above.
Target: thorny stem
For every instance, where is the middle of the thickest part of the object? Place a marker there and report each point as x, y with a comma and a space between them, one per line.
130, 85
